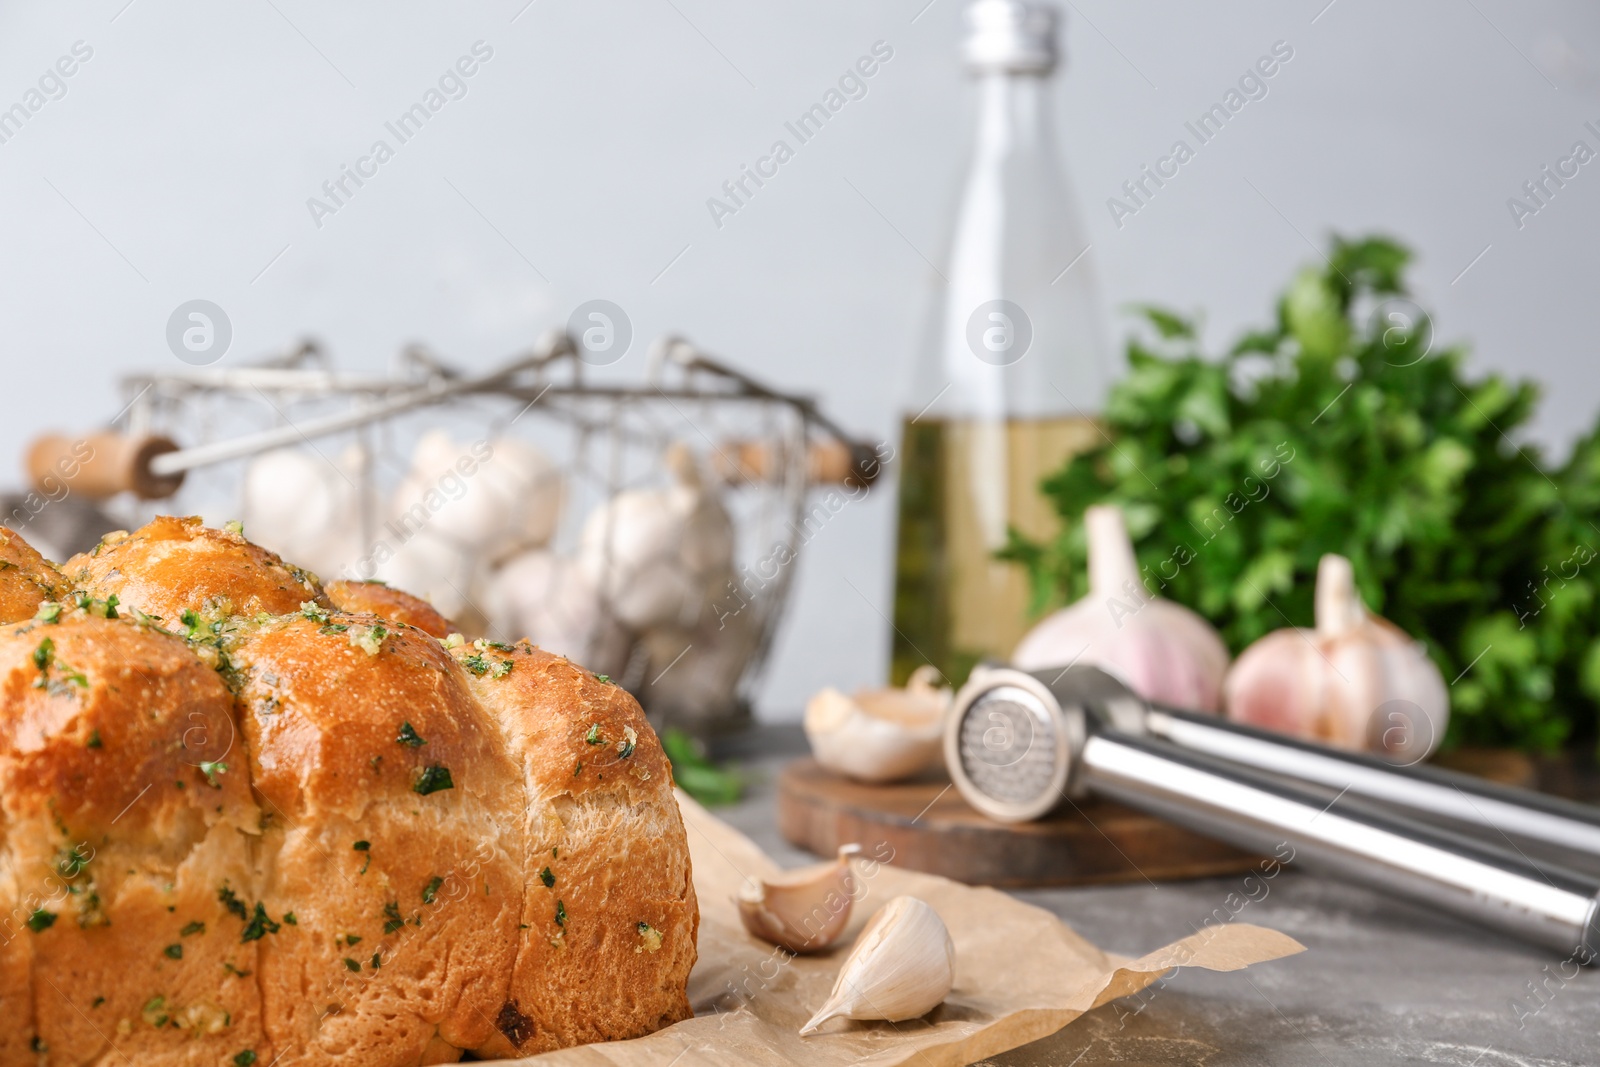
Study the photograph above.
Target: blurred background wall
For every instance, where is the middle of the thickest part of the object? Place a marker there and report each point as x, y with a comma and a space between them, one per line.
177, 160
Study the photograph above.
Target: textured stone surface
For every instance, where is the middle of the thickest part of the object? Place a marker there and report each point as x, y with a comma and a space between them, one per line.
1382, 982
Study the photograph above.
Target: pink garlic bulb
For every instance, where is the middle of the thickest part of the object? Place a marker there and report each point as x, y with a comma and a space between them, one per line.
1162, 651
1355, 682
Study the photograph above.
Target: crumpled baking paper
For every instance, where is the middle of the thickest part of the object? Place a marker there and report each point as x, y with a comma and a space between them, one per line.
1021, 974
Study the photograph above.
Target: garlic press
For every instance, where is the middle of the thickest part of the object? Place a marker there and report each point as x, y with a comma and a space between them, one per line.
1019, 745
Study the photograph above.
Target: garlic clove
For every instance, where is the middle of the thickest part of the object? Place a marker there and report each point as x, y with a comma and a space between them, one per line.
879, 735
1159, 649
804, 910
902, 967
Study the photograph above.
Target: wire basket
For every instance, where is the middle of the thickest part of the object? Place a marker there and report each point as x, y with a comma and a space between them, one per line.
646, 530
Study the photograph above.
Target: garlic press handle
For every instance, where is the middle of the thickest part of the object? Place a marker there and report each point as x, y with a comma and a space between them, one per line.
1495, 813
1497, 888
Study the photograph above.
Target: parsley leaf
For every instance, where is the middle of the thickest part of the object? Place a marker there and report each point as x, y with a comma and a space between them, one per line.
432, 779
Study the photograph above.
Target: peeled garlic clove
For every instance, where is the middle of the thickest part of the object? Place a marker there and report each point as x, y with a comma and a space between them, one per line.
879, 735
1356, 681
1161, 650
804, 910
903, 966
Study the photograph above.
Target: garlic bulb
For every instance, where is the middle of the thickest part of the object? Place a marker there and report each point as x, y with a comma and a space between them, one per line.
804, 910
1355, 682
879, 735
492, 497
306, 508
692, 678
1161, 650
441, 572
547, 599
902, 966
660, 556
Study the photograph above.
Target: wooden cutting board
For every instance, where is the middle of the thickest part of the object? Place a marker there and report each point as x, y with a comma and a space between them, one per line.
932, 829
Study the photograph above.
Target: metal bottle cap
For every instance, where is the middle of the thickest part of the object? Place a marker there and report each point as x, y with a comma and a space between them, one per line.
1010, 36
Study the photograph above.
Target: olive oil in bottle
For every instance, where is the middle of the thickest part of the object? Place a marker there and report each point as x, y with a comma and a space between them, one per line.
1010, 371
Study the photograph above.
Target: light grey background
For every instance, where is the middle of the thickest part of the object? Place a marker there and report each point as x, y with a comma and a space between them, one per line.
179, 162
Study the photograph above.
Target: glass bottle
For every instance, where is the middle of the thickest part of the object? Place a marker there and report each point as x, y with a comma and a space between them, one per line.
1011, 370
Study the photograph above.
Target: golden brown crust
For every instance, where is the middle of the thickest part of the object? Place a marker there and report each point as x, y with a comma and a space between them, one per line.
264, 849
171, 565
363, 732
124, 820
393, 604
27, 579
603, 821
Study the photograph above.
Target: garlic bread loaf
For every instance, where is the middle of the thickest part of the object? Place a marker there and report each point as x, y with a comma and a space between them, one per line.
247, 820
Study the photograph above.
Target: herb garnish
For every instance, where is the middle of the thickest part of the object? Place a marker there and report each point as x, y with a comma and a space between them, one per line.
212, 768
232, 902
392, 918
476, 664
173, 952
431, 891
41, 920
548, 877
259, 926
192, 928
408, 736
432, 779
561, 914
593, 736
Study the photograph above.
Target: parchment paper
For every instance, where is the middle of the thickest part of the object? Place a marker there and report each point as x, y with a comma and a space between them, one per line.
1021, 974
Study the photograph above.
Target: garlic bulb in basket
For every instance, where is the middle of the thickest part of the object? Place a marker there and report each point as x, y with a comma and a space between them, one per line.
879, 735
444, 574
659, 556
1355, 682
1161, 650
493, 497
692, 676
902, 966
306, 508
547, 599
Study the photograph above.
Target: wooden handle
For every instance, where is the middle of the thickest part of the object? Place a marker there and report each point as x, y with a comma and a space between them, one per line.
827, 462
101, 465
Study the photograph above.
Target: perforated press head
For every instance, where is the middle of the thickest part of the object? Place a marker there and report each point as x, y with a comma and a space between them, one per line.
1013, 739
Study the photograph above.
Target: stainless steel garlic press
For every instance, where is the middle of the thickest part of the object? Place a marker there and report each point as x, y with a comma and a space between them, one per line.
1019, 745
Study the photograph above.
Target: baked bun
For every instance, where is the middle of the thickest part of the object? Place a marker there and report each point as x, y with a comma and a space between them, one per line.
379, 599
27, 579
318, 835
126, 817
171, 565
610, 918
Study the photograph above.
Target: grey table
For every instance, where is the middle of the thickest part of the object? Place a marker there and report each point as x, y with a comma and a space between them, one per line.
1381, 982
